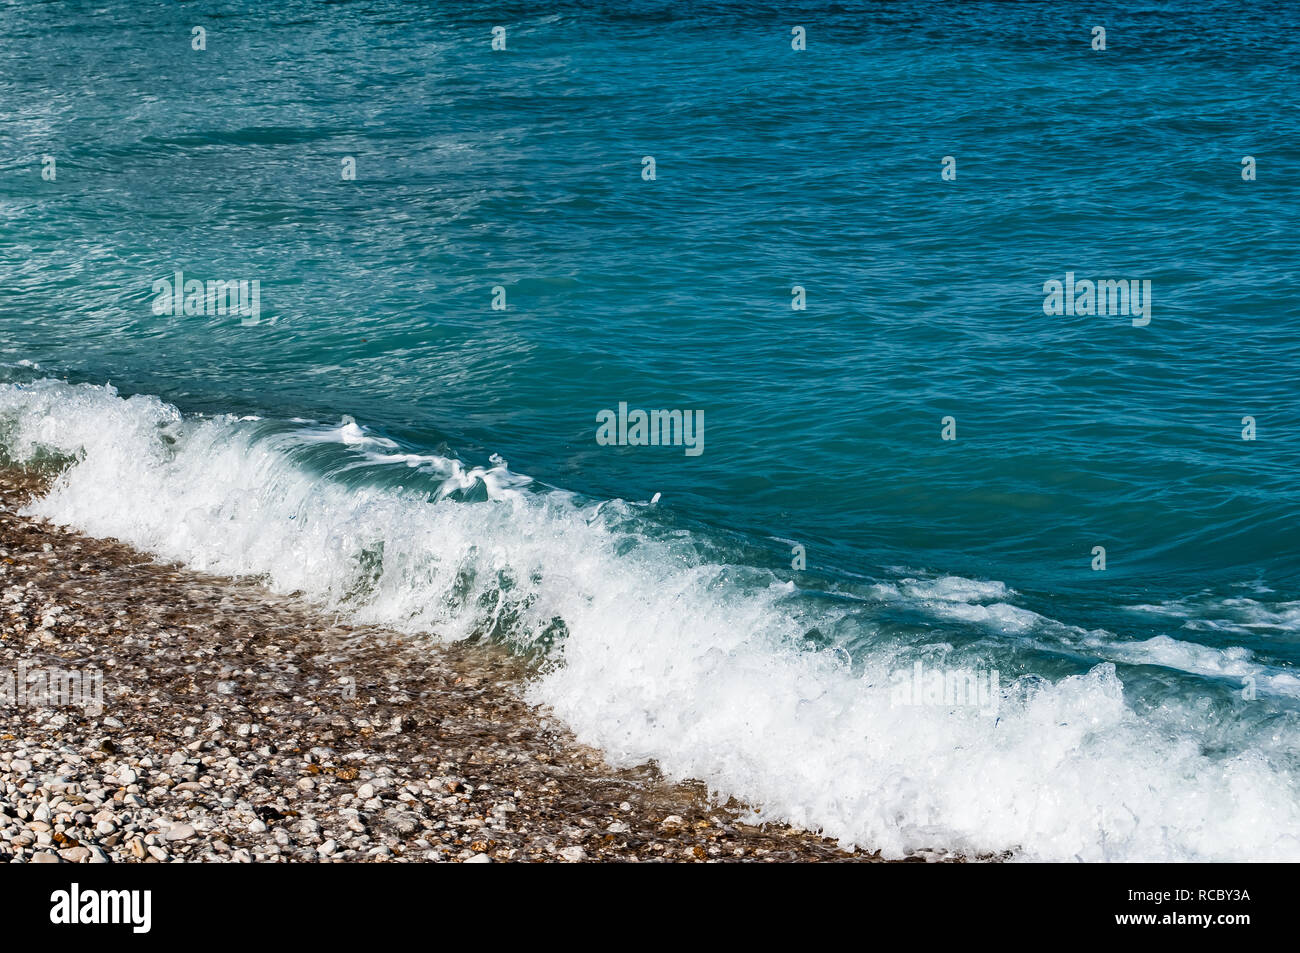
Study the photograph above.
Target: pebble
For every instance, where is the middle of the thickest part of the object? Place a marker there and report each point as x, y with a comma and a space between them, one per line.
180, 832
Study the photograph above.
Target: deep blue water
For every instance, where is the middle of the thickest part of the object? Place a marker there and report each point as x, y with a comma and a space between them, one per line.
522, 168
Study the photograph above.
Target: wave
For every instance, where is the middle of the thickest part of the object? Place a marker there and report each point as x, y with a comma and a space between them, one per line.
652, 644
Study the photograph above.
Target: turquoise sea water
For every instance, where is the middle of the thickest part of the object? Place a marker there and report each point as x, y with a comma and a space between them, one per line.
1148, 710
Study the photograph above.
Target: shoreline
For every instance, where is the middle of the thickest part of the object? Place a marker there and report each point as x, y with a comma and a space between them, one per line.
240, 725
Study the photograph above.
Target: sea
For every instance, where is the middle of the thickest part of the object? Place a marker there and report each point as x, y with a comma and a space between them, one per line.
883, 413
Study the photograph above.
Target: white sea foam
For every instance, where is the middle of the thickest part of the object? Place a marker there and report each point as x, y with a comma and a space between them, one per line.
349, 433
663, 654
955, 599
1233, 662
1240, 614
962, 600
